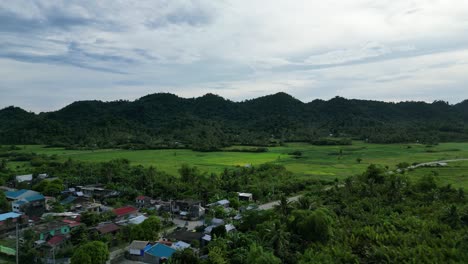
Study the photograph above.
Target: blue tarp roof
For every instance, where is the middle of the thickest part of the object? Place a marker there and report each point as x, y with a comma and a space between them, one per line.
160, 250
5, 216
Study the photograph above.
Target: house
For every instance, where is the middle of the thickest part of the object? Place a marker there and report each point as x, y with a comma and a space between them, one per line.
70, 199
125, 212
137, 248
224, 203
245, 197
25, 201
205, 240
137, 220
158, 253
229, 228
184, 205
48, 230
91, 207
96, 191
217, 222
196, 211
56, 241
109, 228
24, 178
143, 201
71, 223
7, 219
91, 191
185, 235
180, 245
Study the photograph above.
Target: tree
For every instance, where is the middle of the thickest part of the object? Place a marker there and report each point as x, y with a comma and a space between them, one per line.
186, 256
359, 160
94, 252
217, 256
148, 230
53, 188
4, 204
315, 226
284, 206
219, 231
257, 255
303, 203
79, 235
278, 238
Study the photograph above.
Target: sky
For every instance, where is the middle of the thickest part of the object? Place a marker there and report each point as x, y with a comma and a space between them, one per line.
55, 52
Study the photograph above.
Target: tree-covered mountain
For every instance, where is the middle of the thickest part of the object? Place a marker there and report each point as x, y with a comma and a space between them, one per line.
209, 122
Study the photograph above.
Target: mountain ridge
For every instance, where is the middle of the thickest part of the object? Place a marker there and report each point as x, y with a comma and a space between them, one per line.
211, 121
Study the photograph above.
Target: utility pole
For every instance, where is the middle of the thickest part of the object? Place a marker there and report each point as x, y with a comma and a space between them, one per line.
17, 241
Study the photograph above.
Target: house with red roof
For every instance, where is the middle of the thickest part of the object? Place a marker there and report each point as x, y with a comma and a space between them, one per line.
143, 201
56, 241
125, 212
71, 223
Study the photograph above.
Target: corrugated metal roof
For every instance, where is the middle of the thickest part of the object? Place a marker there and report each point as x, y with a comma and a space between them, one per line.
6, 216
138, 244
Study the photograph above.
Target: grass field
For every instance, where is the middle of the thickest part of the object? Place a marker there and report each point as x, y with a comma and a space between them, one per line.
318, 162
455, 174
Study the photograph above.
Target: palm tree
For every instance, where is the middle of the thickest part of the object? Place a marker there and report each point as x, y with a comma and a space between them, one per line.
303, 203
280, 240
284, 207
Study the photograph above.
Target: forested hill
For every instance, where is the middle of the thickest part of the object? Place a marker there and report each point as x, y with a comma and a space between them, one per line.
210, 122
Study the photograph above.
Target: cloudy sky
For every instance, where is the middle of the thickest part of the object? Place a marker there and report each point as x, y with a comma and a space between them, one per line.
54, 52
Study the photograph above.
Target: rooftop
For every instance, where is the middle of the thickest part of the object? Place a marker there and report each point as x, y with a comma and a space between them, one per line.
137, 220
107, 228
138, 244
28, 195
180, 245
55, 240
46, 227
184, 235
15, 194
68, 200
124, 210
23, 178
161, 251
6, 216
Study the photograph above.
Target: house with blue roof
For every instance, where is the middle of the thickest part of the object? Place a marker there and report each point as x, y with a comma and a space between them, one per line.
8, 220
158, 253
28, 202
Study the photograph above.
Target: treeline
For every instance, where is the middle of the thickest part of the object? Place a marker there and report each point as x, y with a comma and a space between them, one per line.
210, 122
266, 182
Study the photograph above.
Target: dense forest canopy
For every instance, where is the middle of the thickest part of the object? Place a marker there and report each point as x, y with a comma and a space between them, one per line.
210, 122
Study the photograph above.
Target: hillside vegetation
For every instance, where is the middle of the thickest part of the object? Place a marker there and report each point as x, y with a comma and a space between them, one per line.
211, 122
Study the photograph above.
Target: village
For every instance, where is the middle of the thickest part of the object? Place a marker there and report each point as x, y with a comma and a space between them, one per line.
56, 223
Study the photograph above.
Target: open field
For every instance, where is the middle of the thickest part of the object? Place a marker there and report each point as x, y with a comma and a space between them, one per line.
456, 174
318, 162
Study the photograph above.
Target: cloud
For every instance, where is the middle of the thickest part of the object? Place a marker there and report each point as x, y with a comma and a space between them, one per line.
124, 49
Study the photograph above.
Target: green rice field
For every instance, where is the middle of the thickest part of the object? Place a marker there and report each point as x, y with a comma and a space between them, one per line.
318, 162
